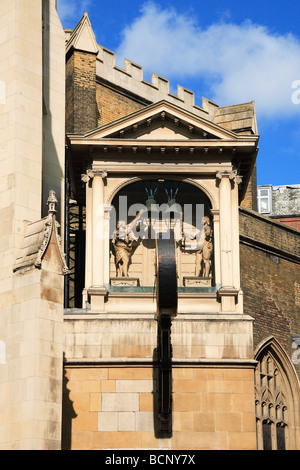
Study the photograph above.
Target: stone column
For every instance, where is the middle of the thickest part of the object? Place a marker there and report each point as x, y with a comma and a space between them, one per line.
96, 238
87, 178
228, 291
107, 223
216, 244
98, 231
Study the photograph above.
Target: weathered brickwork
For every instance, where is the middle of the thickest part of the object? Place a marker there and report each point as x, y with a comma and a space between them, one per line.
270, 271
213, 408
250, 199
113, 105
297, 293
266, 231
81, 108
271, 321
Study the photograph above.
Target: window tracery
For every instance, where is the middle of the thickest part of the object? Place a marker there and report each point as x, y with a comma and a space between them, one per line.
271, 405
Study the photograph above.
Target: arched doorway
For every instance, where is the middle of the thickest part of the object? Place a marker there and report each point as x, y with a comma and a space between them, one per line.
277, 398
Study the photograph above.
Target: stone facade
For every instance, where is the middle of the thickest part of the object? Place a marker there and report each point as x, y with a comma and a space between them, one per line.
32, 156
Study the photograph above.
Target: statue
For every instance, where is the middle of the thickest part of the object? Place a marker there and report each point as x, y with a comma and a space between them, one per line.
203, 256
203, 246
123, 242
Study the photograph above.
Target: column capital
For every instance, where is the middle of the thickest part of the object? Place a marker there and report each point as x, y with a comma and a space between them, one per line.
90, 174
216, 214
232, 176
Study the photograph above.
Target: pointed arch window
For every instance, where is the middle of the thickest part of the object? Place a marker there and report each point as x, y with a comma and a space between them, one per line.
271, 405
277, 398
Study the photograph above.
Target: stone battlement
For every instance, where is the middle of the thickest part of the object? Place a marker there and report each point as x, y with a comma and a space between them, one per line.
131, 78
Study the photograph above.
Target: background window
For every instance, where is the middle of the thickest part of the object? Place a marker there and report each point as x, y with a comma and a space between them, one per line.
264, 195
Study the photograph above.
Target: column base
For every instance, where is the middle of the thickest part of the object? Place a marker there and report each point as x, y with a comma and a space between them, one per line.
228, 297
97, 297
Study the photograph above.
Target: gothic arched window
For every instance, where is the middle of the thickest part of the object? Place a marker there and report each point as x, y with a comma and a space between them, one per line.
276, 389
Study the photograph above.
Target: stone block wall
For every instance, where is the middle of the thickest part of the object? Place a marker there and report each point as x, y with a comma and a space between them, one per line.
116, 408
111, 382
31, 312
31, 374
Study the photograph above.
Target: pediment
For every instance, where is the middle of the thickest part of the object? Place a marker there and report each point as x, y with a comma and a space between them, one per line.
161, 121
83, 38
160, 129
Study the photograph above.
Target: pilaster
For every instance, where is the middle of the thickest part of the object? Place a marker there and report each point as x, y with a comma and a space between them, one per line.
228, 292
95, 290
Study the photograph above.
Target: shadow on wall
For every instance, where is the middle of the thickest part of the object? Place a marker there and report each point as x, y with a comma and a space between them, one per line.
67, 416
52, 164
162, 381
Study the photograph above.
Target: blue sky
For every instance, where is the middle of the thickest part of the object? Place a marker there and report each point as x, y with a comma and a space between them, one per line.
228, 51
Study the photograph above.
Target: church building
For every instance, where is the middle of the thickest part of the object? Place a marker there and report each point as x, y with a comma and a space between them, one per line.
145, 302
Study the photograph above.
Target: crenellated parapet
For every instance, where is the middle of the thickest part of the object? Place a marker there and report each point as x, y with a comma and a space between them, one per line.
131, 78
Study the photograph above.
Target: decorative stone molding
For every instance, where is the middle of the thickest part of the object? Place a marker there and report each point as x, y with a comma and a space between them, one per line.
37, 238
51, 225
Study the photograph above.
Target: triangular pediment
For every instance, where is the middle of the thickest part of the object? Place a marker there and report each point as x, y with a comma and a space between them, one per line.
83, 38
161, 121
162, 130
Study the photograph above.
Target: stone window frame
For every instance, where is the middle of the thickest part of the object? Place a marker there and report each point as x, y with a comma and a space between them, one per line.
277, 393
270, 404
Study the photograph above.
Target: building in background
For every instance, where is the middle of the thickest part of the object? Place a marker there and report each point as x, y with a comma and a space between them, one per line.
282, 203
88, 358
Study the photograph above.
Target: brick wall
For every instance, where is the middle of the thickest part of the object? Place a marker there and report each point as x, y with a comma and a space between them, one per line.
213, 408
113, 104
81, 107
270, 271
90, 104
291, 221
250, 199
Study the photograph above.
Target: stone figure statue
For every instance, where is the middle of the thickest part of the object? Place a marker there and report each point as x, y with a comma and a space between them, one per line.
203, 256
203, 246
123, 242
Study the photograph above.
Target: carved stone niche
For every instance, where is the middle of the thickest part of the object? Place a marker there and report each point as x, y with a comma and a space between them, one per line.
187, 213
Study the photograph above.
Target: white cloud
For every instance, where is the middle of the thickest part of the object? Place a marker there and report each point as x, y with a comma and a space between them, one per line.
238, 63
72, 10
